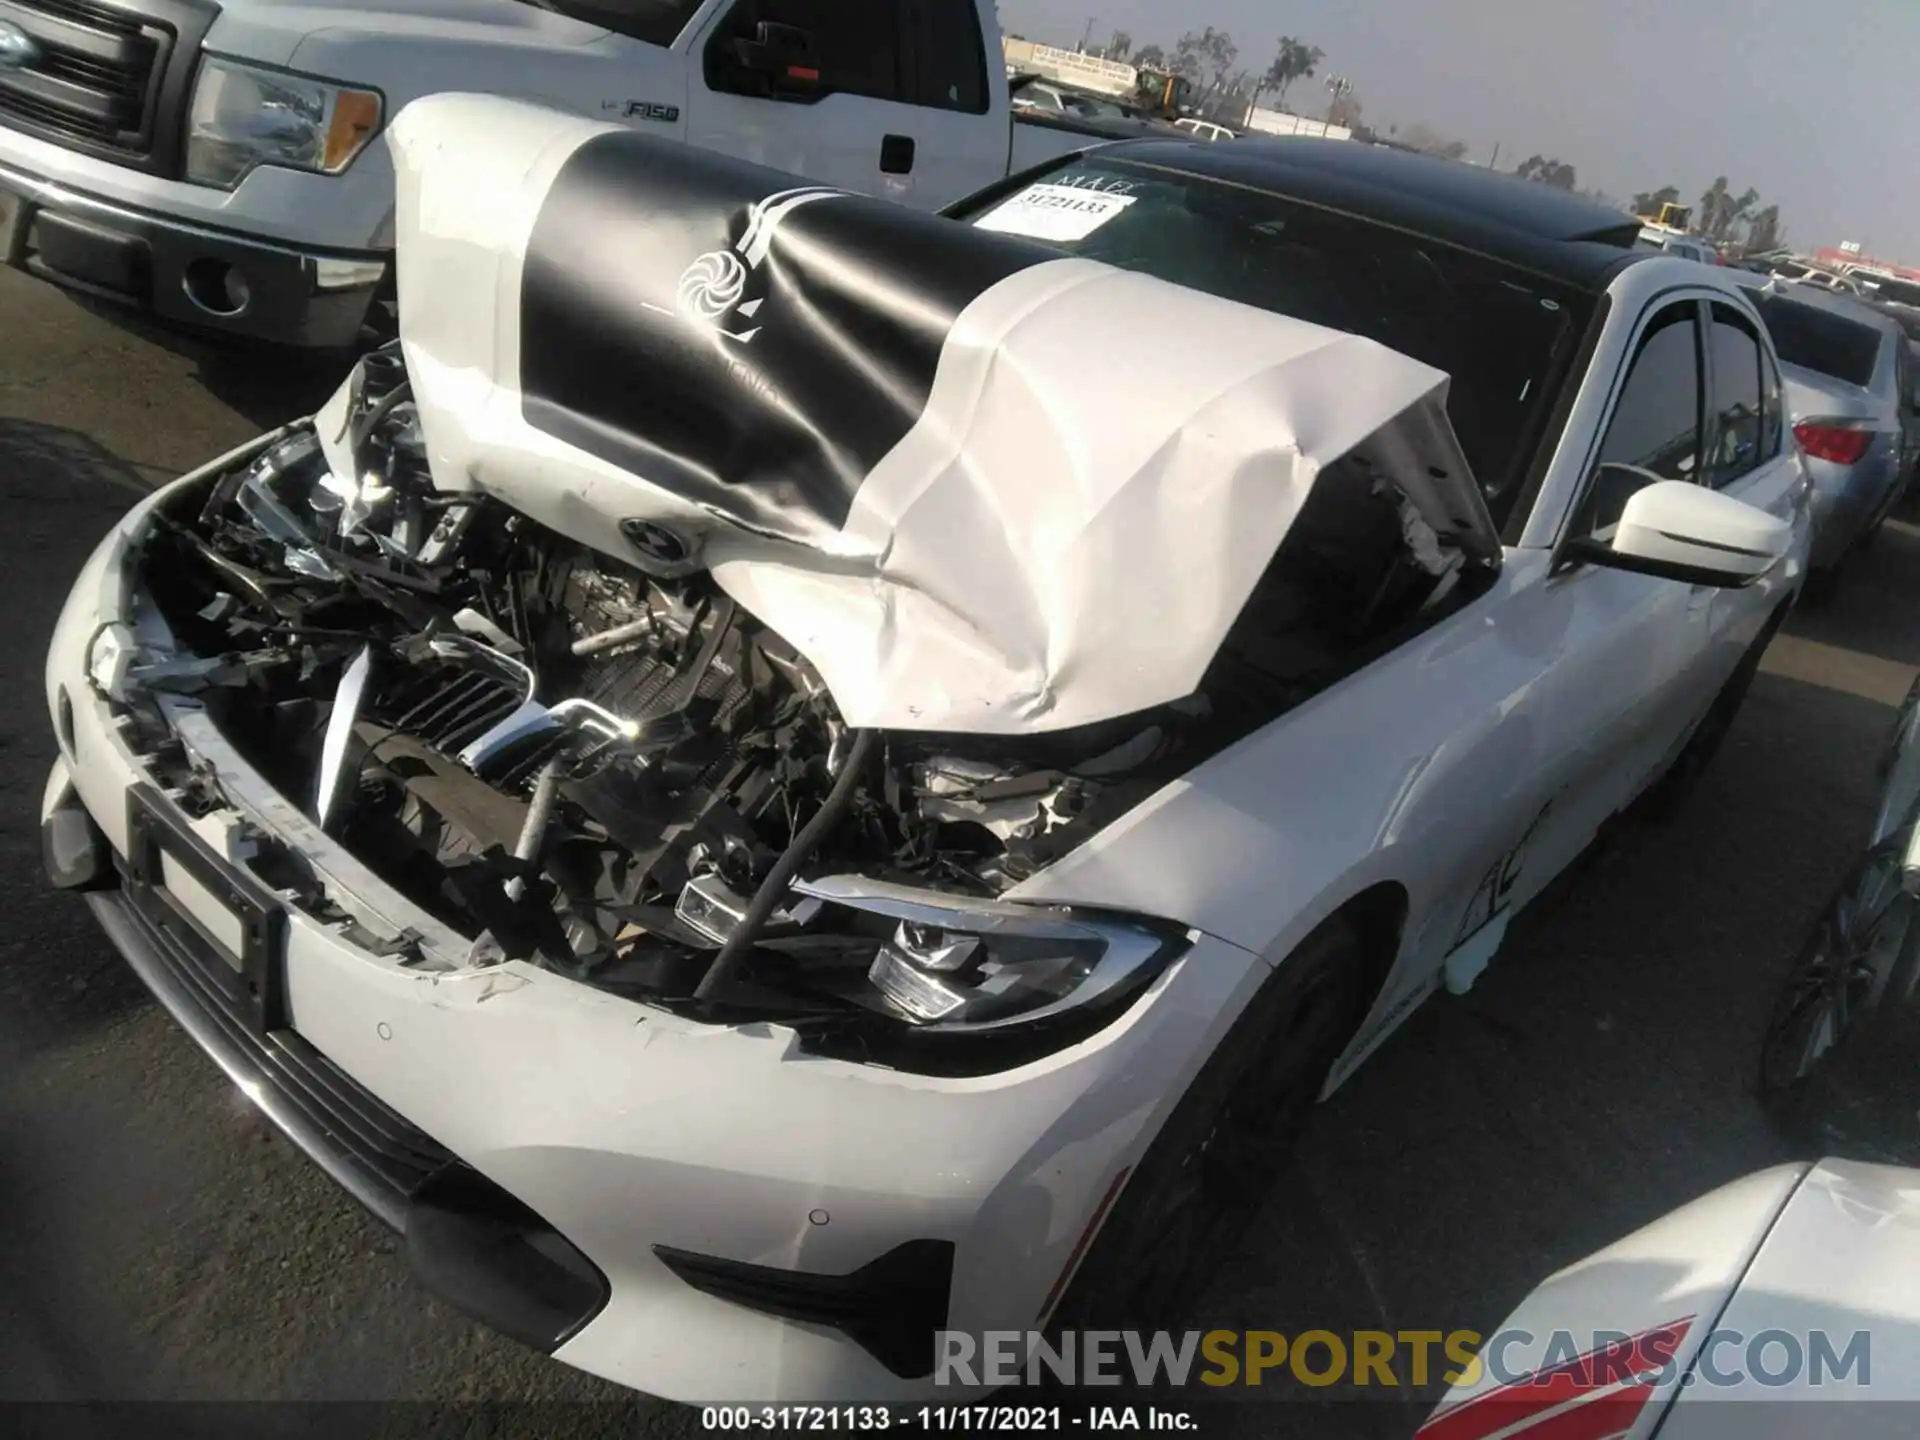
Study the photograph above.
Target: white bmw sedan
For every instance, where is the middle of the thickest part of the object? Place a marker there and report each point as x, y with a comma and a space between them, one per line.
782, 775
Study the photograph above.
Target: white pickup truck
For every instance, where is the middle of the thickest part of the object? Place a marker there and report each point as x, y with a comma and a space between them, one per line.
210, 163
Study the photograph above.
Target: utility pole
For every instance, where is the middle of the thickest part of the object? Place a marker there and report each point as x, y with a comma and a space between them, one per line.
1087, 35
1341, 87
1494, 163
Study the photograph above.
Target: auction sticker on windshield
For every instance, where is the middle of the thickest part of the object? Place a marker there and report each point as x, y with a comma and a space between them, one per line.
1055, 212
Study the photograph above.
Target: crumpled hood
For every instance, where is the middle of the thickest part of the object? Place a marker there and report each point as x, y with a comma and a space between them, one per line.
982, 487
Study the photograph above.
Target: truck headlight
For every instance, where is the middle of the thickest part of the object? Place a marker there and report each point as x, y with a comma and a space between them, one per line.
243, 116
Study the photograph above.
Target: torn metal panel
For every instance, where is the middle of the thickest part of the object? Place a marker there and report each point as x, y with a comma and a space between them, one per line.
936, 460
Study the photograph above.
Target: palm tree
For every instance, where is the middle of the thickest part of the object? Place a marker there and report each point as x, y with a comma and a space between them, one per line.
1295, 60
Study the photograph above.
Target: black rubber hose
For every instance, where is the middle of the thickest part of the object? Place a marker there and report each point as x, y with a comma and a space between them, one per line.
773, 889
362, 429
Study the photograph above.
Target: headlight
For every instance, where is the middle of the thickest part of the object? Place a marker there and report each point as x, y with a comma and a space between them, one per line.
243, 117
951, 970
109, 658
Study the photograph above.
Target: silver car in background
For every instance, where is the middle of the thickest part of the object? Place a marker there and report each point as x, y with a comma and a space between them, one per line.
1849, 380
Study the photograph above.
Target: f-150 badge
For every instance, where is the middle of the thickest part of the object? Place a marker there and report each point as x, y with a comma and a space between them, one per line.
642, 110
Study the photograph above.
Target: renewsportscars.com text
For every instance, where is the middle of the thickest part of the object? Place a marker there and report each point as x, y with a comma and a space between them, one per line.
1383, 1358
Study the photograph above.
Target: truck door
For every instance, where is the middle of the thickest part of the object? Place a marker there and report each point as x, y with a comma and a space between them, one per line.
889, 97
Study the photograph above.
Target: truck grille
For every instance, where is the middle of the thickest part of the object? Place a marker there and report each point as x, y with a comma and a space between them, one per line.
94, 74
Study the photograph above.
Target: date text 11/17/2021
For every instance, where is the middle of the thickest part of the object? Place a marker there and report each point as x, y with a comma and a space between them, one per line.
945, 1419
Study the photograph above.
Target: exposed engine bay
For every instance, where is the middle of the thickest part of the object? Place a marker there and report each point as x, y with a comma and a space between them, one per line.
618, 773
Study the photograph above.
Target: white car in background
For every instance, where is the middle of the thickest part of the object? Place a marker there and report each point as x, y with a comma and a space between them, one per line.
771, 780
1676, 242
1204, 129
1780, 1307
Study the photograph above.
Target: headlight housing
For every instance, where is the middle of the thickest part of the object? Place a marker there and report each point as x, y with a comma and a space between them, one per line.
956, 984
243, 117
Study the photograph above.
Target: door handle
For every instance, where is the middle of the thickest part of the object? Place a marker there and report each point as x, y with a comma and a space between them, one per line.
896, 154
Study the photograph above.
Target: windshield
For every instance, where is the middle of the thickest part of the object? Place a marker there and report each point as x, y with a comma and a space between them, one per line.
1499, 332
1817, 339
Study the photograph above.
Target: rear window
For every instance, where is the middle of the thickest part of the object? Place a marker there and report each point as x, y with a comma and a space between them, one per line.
1817, 339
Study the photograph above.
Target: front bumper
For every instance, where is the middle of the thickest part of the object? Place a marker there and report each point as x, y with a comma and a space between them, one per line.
631, 1137
184, 274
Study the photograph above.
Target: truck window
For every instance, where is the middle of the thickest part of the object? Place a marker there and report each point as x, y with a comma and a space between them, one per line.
657, 22
855, 43
947, 59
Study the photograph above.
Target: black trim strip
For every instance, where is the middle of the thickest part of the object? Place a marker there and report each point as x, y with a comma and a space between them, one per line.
891, 1307
1711, 545
296, 1087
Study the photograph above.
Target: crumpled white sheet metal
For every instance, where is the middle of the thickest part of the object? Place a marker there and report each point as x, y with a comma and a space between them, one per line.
1064, 535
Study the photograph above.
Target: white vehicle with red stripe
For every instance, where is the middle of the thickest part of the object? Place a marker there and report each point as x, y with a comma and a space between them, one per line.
1784, 1306
783, 774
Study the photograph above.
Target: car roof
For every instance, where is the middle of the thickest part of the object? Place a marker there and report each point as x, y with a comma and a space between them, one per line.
1536, 227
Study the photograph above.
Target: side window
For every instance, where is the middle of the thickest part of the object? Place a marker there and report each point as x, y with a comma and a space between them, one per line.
1655, 429
946, 55
853, 44
1772, 426
1735, 435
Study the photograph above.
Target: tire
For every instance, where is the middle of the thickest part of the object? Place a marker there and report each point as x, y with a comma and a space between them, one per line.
1205, 1175
1667, 796
1842, 973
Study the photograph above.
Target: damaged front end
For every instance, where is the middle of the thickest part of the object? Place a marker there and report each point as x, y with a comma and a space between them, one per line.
750, 649
623, 778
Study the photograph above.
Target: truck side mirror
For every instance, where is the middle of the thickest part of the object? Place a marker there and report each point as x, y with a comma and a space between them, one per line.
777, 61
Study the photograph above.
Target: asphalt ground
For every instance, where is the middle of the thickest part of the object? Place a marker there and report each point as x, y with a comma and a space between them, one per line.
158, 1242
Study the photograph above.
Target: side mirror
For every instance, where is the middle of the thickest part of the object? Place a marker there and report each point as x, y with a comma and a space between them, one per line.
777, 61
1681, 531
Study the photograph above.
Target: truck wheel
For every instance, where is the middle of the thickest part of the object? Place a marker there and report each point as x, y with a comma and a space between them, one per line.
1203, 1178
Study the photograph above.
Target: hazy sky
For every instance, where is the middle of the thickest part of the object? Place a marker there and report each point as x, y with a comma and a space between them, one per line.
1811, 105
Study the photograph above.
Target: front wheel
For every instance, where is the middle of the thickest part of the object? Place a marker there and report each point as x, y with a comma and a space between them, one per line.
1205, 1175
